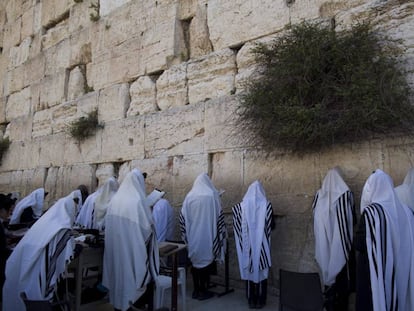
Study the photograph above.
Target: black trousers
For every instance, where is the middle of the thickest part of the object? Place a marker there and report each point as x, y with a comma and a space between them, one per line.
201, 277
256, 293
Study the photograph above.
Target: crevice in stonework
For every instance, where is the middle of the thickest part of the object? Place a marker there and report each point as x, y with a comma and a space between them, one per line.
208, 30
185, 26
154, 78
55, 22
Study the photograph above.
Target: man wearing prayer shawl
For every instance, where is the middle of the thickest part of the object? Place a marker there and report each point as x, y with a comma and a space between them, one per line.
31, 205
385, 242
405, 191
41, 256
163, 215
96, 203
252, 224
334, 214
203, 230
131, 259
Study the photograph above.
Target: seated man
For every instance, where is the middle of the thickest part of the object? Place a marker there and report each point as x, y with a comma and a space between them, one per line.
203, 229
40, 258
30, 208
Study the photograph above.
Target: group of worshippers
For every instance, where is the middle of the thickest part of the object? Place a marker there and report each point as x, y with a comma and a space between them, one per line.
382, 271
133, 227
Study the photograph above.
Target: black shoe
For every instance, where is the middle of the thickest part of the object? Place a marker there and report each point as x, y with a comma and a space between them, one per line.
195, 295
205, 295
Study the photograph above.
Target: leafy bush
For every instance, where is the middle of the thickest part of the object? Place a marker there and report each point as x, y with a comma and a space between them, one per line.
318, 87
85, 127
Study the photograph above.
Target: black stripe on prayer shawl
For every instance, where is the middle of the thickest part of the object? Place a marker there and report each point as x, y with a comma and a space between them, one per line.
264, 259
219, 238
342, 207
61, 245
237, 215
182, 228
369, 219
315, 199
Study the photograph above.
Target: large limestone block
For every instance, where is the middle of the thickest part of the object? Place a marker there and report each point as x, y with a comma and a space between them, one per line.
6, 183
80, 48
56, 34
42, 123
123, 140
199, 35
221, 126
27, 29
11, 36
182, 134
3, 101
62, 115
12, 9
226, 169
53, 11
53, 89
18, 104
186, 168
32, 179
172, 87
20, 54
113, 102
80, 15
282, 176
76, 84
20, 128
306, 10
14, 80
20, 155
143, 97
85, 151
58, 57
107, 6
234, 22
51, 150
34, 69
211, 76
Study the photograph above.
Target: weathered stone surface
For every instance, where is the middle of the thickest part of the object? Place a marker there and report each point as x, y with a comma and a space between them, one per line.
42, 123
27, 29
235, 22
200, 43
19, 156
53, 89
76, 84
118, 94
107, 6
62, 115
80, 48
177, 136
11, 36
13, 81
32, 179
80, 15
172, 87
53, 11
58, 57
86, 151
143, 97
123, 140
34, 70
56, 34
6, 181
46, 144
18, 104
211, 76
221, 128
20, 128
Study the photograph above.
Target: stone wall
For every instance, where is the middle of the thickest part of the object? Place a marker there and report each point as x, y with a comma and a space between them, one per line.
164, 77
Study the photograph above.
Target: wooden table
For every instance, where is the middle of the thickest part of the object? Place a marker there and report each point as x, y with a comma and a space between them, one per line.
172, 249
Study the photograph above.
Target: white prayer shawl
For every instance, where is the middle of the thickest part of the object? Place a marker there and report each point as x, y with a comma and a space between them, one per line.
405, 191
202, 223
40, 258
163, 215
252, 231
131, 258
35, 200
333, 210
109, 188
389, 244
86, 213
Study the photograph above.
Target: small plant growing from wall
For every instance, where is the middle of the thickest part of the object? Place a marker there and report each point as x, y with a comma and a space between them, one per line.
318, 87
85, 127
94, 17
4, 146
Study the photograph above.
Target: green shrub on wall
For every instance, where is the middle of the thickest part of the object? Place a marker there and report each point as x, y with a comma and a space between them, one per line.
85, 127
318, 87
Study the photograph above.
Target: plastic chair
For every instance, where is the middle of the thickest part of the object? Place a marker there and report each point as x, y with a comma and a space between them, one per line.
300, 291
43, 305
164, 282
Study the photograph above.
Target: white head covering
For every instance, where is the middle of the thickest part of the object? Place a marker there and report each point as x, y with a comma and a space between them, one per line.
252, 228
85, 216
34, 199
109, 188
405, 191
131, 249
163, 215
202, 223
333, 210
390, 250
48, 239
